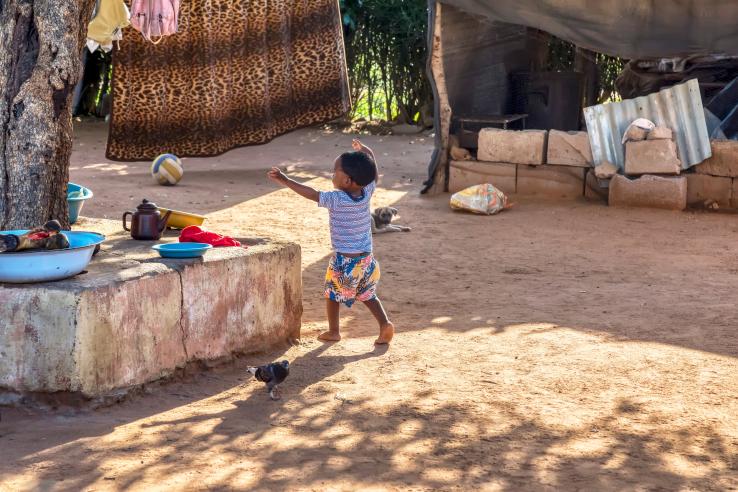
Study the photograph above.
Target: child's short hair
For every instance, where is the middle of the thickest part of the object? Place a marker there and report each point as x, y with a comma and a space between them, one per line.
359, 167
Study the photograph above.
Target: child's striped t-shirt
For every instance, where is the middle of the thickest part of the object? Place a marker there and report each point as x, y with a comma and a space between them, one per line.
350, 219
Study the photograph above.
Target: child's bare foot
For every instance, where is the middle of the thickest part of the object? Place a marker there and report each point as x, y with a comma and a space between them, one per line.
329, 336
386, 332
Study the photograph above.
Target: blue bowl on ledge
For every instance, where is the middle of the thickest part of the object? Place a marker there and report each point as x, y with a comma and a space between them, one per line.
182, 250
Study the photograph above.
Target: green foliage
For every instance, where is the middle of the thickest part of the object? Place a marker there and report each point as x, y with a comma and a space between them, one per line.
386, 52
95, 83
609, 69
386, 55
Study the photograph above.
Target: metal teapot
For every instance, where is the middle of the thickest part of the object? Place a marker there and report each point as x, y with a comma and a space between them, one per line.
147, 223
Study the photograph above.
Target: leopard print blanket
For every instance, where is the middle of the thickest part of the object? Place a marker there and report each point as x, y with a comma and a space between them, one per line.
238, 72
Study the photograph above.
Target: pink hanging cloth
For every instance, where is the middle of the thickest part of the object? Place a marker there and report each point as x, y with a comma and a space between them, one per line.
155, 19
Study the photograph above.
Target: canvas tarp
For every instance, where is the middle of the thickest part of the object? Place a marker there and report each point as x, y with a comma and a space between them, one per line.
485, 41
625, 28
237, 73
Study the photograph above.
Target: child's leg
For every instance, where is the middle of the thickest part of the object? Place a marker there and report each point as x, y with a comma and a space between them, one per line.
386, 328
332, 335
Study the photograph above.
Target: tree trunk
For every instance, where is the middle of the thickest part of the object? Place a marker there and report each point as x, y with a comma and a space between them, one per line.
41, 42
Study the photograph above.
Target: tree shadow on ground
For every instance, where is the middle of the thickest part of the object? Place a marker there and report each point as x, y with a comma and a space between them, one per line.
418, 442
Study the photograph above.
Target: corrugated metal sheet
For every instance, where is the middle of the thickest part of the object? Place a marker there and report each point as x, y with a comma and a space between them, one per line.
678, 107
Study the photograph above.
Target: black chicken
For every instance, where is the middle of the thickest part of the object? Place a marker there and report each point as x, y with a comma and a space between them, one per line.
272, 374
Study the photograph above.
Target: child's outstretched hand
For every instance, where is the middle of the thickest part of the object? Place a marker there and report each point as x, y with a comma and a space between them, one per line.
357, 145
277, 175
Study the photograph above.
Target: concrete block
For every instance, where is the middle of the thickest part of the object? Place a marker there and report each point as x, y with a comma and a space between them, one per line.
551, 181
515, 147
661, 133
469, 173
594, 189
724, 160
635, 134
569, 149
638, 130
652, 157
649, 191
606, 170
702, 188
135, 317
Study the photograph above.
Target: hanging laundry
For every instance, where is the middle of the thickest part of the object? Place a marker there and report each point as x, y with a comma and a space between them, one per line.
107, 26
237, 73
155, 18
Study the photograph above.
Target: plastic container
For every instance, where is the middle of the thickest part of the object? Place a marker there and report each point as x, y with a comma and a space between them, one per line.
182, 250
76, 196
180, 220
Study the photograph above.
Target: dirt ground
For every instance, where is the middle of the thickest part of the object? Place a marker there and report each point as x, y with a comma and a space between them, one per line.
562, 345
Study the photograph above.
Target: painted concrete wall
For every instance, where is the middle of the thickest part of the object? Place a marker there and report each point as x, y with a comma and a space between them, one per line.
129, 322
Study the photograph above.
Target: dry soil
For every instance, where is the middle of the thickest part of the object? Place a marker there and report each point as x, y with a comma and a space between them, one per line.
559, 345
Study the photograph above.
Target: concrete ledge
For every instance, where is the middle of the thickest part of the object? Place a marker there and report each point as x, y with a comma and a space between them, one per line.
649, 191
134, 317
551, 181
463, 174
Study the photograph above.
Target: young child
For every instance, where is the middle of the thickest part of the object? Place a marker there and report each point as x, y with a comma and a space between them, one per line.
353, 272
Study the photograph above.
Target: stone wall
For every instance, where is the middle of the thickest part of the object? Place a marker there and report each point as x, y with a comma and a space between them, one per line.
559, 165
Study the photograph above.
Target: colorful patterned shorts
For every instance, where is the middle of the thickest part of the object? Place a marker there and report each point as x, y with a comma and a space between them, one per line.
350, 279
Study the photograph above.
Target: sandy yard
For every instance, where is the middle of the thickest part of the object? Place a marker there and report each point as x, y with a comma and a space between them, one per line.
562, 345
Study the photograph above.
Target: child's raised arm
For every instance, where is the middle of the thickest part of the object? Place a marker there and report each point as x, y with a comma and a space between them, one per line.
278, 176
360, 147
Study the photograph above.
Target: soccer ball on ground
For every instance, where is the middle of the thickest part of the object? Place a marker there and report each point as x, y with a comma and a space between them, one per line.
167, 169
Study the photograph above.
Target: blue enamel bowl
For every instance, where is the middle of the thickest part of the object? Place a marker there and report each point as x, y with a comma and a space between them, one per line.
43, 266
182, 250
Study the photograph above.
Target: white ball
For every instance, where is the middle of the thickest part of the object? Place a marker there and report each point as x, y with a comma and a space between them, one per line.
167, 169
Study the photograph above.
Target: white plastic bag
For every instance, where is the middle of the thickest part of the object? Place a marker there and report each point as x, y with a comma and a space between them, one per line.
480, 199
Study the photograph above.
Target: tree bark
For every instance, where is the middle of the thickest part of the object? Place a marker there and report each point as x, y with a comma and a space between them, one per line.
41, 42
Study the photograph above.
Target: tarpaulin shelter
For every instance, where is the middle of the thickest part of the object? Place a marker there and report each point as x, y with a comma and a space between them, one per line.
476, 44
236, 73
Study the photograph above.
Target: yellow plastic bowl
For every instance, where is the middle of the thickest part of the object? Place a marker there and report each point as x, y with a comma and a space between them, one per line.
180, 220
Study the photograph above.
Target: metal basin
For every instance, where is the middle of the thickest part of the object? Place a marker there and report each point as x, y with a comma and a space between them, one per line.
44, 266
